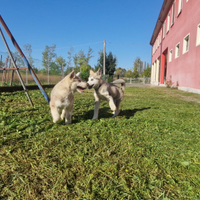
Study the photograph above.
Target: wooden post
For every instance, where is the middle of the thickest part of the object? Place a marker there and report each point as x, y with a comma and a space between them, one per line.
9, 66
12, 75
11, 78
4, 71
104, 58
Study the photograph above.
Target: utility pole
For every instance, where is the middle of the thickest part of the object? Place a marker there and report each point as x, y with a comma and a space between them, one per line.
26, 74
104, 58
62, 71
48, 70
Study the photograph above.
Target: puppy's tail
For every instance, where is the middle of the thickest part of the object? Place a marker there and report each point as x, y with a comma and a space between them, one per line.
122, 82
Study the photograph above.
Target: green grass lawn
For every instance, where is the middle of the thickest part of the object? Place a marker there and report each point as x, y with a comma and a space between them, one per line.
150, 151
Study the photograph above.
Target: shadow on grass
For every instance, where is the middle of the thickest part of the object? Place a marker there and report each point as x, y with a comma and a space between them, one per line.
106, 113
131, 112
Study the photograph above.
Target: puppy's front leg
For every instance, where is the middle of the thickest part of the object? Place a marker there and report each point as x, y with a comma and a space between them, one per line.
96, 106
96, 109
68, 115
54, 113
63, 113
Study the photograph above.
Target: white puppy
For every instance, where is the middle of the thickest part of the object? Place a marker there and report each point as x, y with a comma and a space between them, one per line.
62, 96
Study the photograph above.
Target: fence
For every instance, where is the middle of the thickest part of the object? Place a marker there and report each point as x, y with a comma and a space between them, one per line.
142, 80
8, 75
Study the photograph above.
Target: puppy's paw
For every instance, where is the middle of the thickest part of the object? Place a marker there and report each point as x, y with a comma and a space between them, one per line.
67, 122
115, 113
55, 120
113, 108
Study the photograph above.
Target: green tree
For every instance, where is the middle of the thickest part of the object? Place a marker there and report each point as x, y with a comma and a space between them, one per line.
48, 55
42, 71
54, 69
136, 66
69, 61
18, 59
89, 55
111, 63
85, 72
61, 63
120, 72
28, 52
147, 71
81, 59
129, 74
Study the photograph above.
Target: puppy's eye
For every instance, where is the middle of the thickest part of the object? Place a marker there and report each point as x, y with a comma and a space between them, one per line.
91, 79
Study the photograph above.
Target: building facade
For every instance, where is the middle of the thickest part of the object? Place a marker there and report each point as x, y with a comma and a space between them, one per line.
176, 45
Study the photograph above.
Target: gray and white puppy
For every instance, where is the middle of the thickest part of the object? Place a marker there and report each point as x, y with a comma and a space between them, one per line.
106, 91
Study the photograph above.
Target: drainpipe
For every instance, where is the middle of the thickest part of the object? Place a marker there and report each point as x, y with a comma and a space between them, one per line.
160, 49
151, 61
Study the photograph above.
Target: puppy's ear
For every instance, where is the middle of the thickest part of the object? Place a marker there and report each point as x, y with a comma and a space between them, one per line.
99, 71
91, 72
98, 77
72, 75
78, 74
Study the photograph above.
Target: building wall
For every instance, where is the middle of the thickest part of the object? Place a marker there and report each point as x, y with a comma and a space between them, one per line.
185, 69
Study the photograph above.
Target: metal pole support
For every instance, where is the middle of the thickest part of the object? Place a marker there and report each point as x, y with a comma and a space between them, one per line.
14, 64
24, 59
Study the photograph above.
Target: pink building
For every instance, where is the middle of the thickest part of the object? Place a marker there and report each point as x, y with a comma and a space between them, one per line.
176, 45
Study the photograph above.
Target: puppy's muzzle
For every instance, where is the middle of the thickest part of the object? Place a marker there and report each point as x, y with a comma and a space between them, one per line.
90, 86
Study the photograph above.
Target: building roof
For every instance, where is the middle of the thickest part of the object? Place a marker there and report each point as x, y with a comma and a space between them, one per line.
163, 13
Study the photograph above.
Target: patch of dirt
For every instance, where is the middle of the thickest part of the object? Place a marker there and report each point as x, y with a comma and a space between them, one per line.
189, 98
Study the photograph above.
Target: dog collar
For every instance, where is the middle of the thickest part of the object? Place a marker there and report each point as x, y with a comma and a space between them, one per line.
98, 87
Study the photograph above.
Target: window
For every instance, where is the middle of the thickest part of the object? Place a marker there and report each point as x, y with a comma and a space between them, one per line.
173, 13
170, 55
186, 43
198, 35
177, 50
160, 36
164, 29
180, 4
168, 20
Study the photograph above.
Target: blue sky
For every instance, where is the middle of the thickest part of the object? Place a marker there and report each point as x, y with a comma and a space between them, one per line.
126, 25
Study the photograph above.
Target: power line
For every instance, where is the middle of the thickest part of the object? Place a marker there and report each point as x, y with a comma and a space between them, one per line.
111, 43
127, 44
71, 46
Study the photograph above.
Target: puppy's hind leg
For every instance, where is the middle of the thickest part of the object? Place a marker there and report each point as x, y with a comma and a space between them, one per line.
111, 103
117, 111
68, 115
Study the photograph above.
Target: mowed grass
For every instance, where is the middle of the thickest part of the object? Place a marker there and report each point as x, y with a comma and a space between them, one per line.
150, 151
